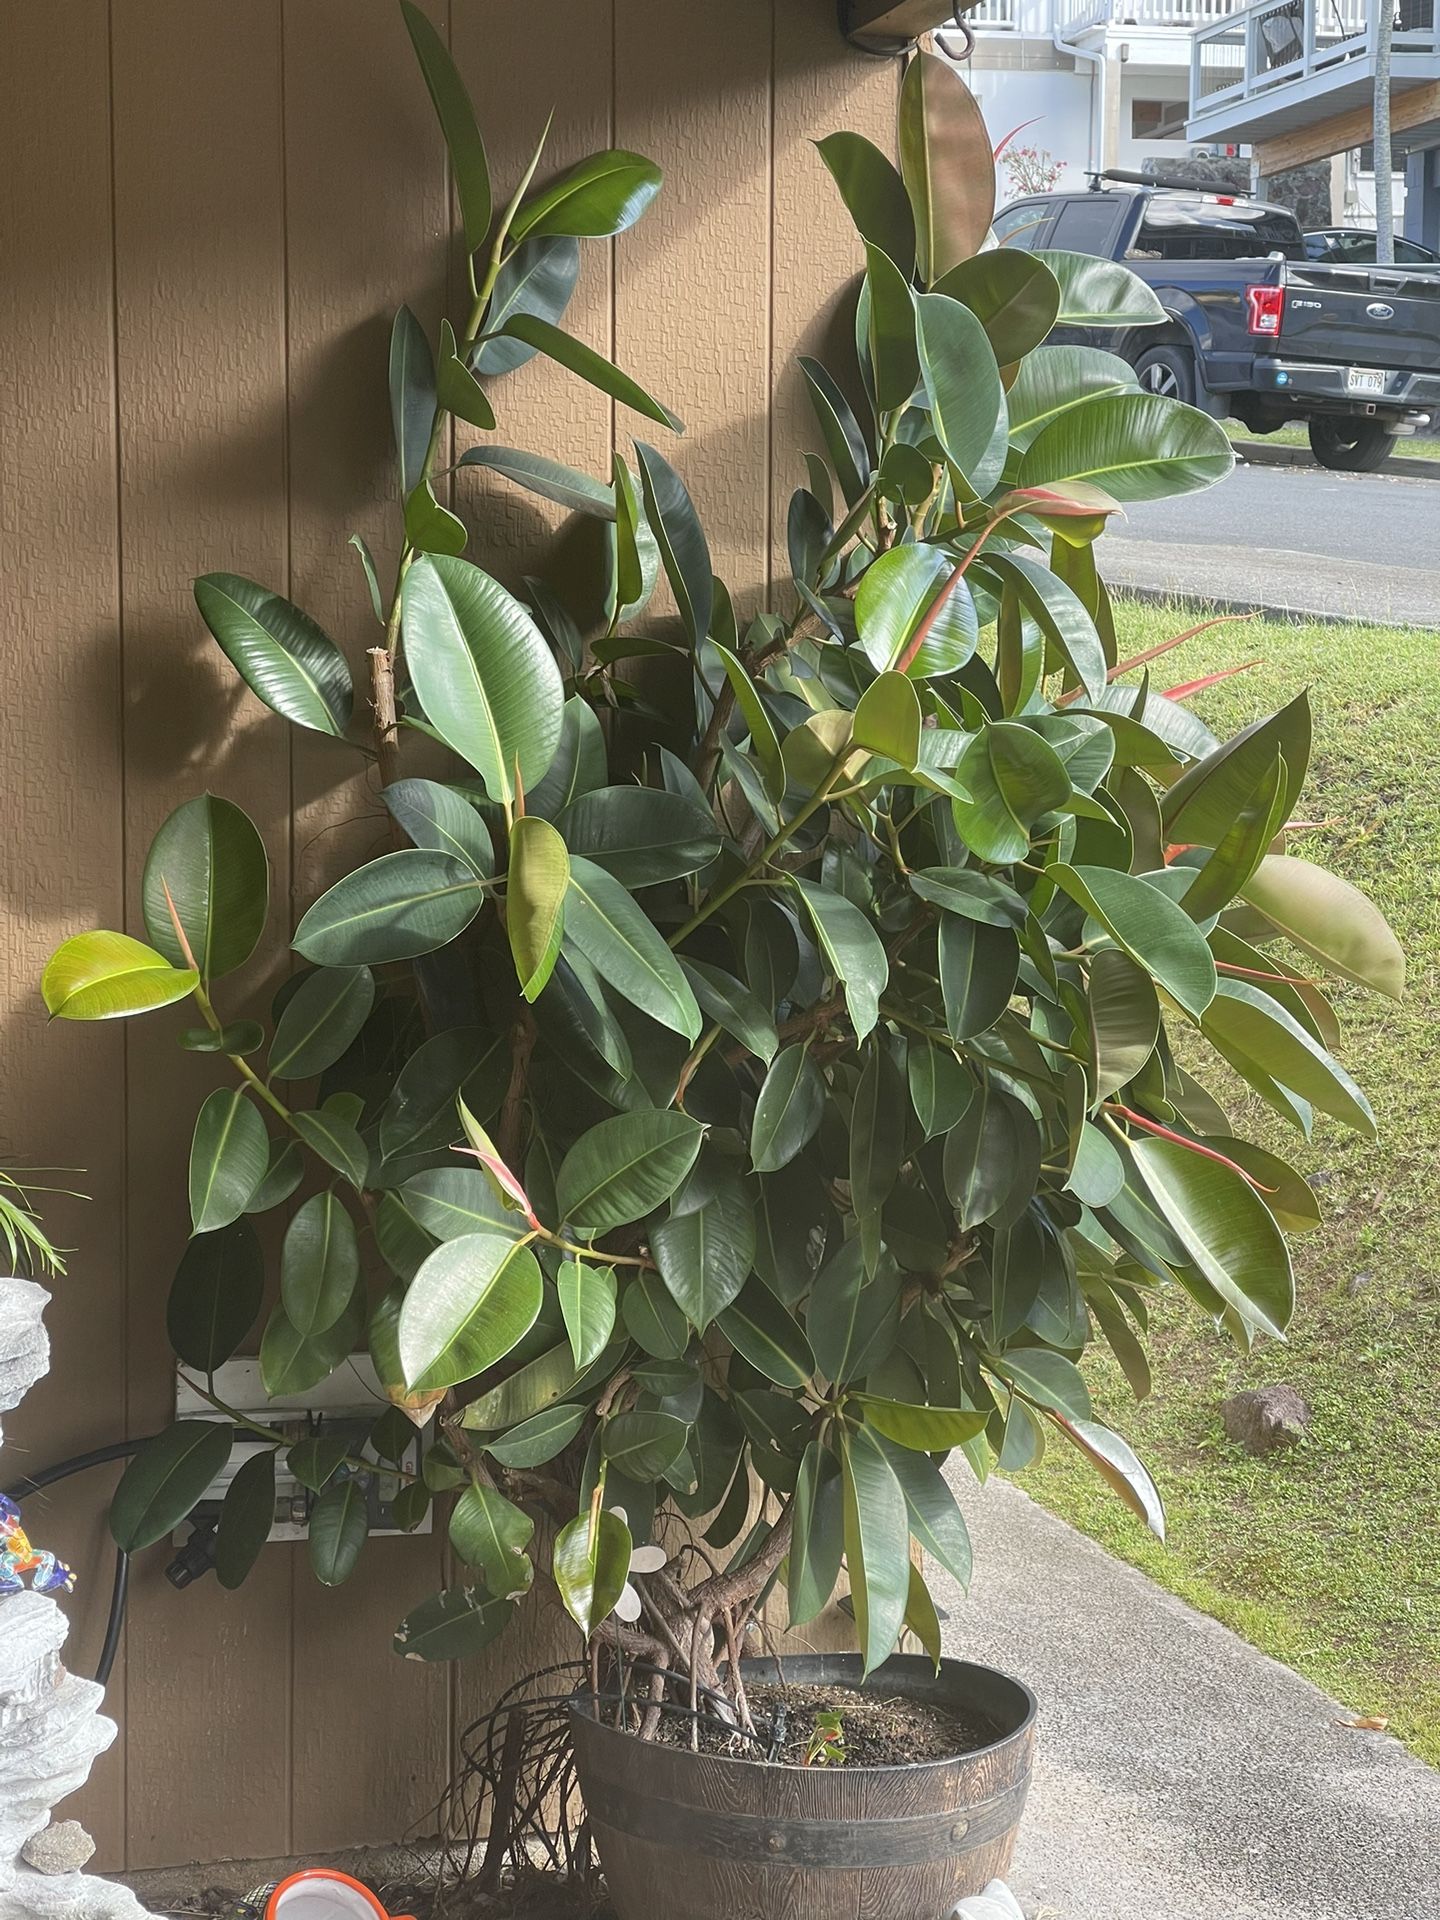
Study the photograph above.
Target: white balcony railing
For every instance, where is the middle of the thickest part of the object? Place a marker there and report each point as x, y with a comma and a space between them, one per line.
994, 16
1076, 15
1278, 41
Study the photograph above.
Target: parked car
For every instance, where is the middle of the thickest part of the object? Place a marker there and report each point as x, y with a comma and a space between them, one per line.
1256, 328
1355, 246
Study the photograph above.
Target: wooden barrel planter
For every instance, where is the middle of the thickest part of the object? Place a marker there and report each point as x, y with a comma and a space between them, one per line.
687, 1836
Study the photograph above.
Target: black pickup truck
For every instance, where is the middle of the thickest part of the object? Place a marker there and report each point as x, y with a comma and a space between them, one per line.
1254, 328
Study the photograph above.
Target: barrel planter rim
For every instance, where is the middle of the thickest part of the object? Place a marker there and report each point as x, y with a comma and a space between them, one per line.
763, 1669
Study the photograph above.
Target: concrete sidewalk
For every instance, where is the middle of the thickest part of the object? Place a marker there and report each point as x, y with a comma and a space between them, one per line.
1181, 1775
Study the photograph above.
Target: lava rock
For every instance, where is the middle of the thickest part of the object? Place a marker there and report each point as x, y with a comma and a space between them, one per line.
1265, 1418
63, 1847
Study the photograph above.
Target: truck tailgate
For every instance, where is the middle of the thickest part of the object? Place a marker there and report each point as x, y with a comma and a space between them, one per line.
1362, 316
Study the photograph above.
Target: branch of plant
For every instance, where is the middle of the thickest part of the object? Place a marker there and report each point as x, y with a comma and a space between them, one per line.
275, 1438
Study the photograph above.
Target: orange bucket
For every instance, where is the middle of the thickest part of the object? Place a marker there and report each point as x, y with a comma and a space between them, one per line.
320, 1893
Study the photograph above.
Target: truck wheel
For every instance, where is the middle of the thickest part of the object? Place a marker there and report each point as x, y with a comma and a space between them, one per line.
1350, 446
1169, 371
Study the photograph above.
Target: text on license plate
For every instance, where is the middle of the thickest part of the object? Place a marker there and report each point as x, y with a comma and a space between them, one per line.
1364, 380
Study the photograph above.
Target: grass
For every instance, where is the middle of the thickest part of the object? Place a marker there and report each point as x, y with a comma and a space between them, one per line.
1326, 1556
1414, 446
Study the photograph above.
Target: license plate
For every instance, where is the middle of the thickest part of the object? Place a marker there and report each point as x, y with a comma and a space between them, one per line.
1364, 380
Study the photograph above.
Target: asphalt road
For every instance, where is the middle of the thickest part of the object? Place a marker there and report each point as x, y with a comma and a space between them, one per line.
1348, 545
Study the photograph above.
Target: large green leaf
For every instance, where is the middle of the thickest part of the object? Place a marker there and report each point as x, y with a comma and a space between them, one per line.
469, 167
591, 1563
877, 1544
642, 835
818, 1538
539, 1438
946, 164
978, 969
330, 1132
469, 1063
492, 1534
1226, 1229
588, 365
451, 1201
455, 1624
212, 860
165, 1479
1013, 779
992, 1154
1156, 933
788, 1110
538, 277
962, 380
889, 719
1137, 446
472, 1301
278, 651
601, 195
877, 1135
339, 1526
603, 921
319, 1265
215, 1295
874, 195
412, 398
246, 1517
1060, 615
1100, 293
483, 671
291, 1364
441, 820
1124, 1019
587, 1302
400, 905
1014, 296
940, 1088
934, 1516
320, 1020
705, 1250
1201, 807
895, 594
1330, 920
894, 355
229, 1152
625, 1167
1047, 1377
922, 1429
852, 1319
1054, 380
853, 951
1118, 1465
765, 1333
576, 492
104, 976
683, 549
844, 440
1242, 1020
643, 1446
535, 893
764, 741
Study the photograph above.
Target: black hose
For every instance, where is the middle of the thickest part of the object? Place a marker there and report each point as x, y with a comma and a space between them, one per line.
77, 1463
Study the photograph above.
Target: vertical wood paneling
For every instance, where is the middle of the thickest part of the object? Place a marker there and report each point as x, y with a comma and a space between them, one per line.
278, 189
201, 355
692, 305
367, 228
560, 62
61, 851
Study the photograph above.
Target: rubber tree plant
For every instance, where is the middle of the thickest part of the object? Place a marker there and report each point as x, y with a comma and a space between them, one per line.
769, 1054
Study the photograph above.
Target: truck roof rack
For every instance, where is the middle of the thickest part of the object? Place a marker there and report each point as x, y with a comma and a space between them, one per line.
1127, 177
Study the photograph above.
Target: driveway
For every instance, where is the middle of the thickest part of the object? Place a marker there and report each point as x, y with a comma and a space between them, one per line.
1355, 546
1180, 1775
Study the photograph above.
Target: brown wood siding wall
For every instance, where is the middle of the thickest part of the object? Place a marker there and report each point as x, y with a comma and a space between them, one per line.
210, 210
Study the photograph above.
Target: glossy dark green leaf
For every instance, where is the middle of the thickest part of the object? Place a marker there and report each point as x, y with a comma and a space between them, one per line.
1201, 806
877, 1544
591, 1563
1053, 380
455, 1624
412, 397
484, 673
229, 1153
852, 1318
1136, 446
587, 1301
1243, 1020
400, 905
291, 1364
604, 922
283, 1174
1156, 933
539, 1438
469, 1063
451, 1201
278, 651
215, 1295
877, 1135
818, 1536
643, 1446
894, 355
246, 1517
979, 965
492, 1534
472, 1301
730, 1003
210, 857
962, 382
652, 1318
874, 194
844, 441
319, 1265
946, 164
853, 951
320, 1020
974, 895
940, 1088
683, 549
237, 1036
643, 836
469, 168
1060, 615
1013, 779
625, 1167
888, 719
599, 196
763, 1332
538, 277
705, 1250
336, 1140
1118, 1465
1225, 1228
922, 1429
588, 365
1100, 293
165, 1479
456, 387
1049, 1378
315, 1461
339, 1526
1014, 296
576, 492
1124, 1019
934, 1516
991, 1153
788, 1110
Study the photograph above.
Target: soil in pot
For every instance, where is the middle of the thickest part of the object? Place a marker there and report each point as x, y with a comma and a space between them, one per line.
881, 1729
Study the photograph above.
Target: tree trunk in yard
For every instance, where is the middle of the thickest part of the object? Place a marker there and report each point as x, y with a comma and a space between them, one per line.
1384, 161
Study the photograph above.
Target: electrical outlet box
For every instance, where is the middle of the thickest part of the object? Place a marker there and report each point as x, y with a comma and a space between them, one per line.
345, 1405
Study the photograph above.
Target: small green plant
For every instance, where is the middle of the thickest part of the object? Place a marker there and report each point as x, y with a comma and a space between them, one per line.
27, 1246
753, 1063
827, 1741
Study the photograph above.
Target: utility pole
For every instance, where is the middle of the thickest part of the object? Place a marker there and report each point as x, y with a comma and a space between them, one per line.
1384, 159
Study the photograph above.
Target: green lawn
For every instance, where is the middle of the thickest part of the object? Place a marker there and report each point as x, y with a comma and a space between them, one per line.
1414, 446
1327, 1556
